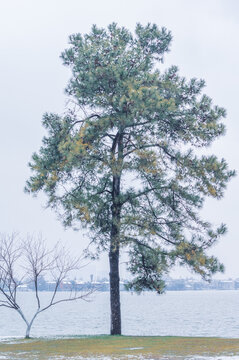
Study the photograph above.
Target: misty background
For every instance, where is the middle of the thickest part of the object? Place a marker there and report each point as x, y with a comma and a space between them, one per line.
32, 80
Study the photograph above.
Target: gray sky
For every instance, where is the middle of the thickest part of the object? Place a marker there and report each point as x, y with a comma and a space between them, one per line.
32, 81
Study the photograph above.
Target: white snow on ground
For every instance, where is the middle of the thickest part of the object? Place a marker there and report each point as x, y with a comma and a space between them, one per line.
123, 357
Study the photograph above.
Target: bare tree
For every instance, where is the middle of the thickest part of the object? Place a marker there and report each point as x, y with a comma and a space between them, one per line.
36, 260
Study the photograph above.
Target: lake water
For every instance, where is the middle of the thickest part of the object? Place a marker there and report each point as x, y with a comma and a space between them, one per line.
184, 313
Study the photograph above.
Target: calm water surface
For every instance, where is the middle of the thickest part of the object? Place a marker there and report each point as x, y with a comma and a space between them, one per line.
184, 313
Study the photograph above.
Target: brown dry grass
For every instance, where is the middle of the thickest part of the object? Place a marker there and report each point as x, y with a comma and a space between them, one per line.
118, 347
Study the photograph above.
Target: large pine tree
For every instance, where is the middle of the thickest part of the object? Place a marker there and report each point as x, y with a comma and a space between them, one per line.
121, 160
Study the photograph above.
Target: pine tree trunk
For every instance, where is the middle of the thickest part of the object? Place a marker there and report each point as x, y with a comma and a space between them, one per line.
115, 291
114, 261
115, 239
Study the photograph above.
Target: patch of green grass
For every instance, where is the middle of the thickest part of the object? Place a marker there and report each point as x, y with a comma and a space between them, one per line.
118, 346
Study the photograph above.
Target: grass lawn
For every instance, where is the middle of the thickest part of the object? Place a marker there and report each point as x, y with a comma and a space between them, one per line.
118, 347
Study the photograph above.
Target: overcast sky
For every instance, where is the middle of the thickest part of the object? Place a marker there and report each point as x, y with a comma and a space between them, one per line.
32, 81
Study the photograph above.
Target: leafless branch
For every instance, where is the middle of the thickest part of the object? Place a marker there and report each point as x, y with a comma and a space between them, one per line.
38, 260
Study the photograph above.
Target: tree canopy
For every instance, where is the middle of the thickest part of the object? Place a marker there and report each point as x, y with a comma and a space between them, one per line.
122, 160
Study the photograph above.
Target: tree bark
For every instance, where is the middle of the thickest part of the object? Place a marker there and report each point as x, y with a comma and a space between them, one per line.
28, 332
114, 260
114, 283
115, 237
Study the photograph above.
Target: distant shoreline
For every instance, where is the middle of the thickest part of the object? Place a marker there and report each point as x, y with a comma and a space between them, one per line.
103, 285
